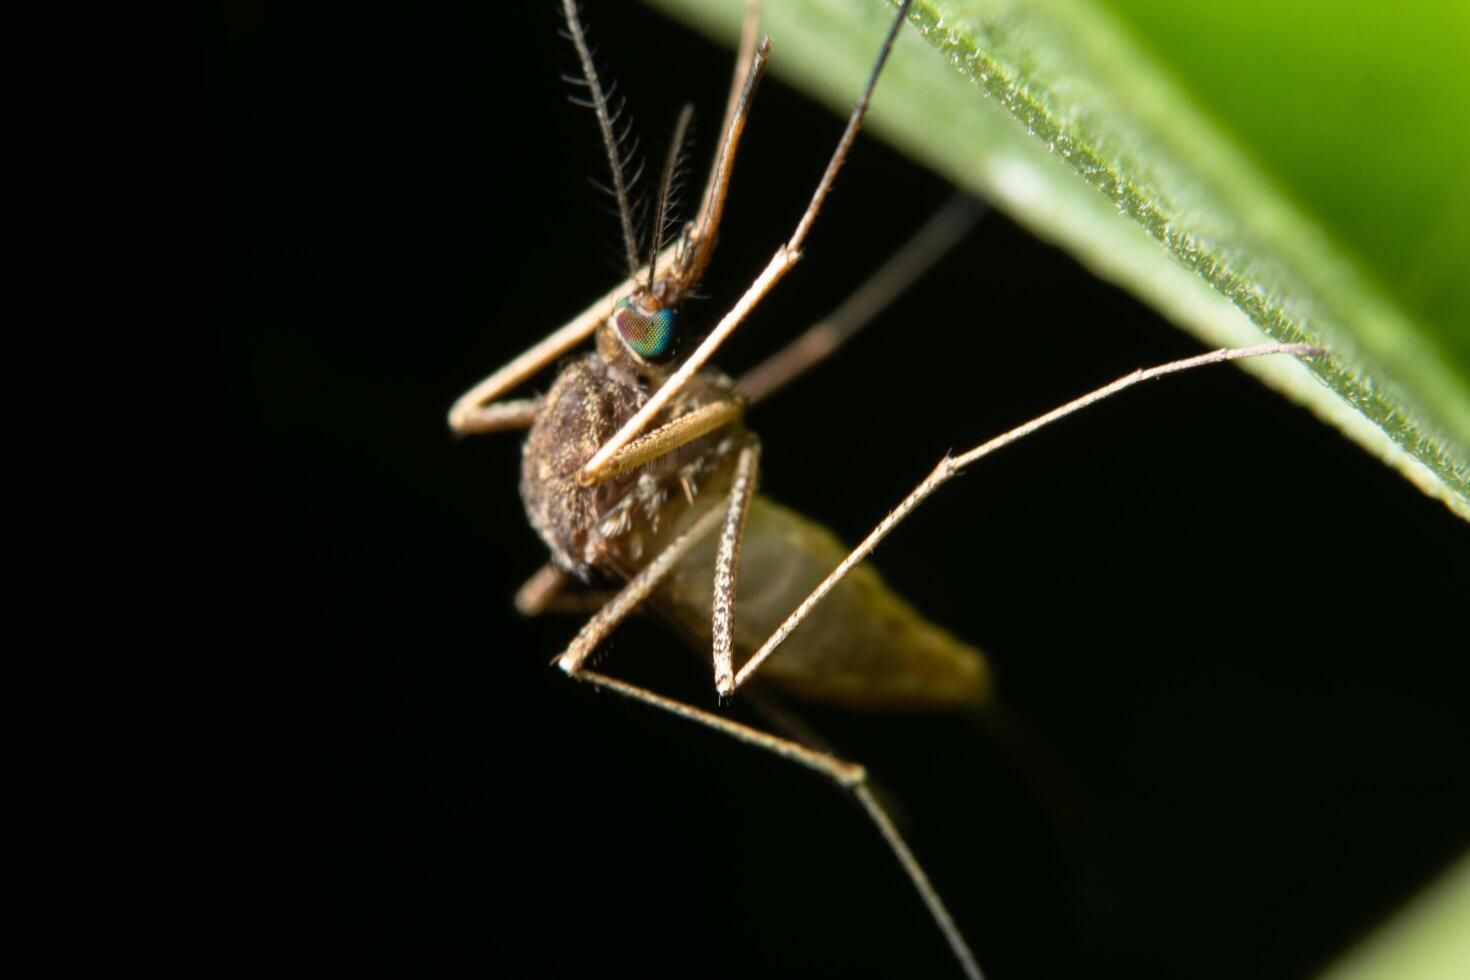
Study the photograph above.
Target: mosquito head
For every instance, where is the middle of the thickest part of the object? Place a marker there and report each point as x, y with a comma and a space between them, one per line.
647, 327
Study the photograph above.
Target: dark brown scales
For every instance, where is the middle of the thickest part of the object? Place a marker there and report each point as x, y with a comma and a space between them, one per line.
616, 525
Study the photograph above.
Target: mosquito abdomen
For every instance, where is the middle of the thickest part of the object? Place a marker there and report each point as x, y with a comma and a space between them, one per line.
863, 646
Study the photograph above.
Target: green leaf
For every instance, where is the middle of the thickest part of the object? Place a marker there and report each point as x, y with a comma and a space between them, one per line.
1427, 940
1298, 174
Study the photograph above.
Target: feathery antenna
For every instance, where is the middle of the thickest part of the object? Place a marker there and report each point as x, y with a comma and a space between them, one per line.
610, 139
666, 191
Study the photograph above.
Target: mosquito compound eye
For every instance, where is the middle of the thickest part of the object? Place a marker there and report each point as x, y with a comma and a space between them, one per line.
649, 335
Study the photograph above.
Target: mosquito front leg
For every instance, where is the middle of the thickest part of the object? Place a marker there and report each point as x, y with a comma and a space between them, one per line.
473, 411
781, 263
952, 465
517, 413
477, 409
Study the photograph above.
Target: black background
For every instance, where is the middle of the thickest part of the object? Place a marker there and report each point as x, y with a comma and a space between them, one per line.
1231, 630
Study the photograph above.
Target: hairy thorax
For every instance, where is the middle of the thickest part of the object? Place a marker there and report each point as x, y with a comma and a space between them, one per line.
619, 524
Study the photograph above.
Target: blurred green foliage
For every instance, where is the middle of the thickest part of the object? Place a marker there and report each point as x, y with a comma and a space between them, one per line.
1360, 110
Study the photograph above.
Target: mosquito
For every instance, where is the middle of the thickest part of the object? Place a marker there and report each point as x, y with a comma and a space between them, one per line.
637, 467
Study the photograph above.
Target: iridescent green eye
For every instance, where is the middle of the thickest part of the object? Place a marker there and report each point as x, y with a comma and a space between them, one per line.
649, 335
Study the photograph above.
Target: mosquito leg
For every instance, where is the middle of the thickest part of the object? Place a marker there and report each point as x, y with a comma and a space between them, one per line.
952, 465
518, 413
781, 263
844, 773
849, 775
727, 566
944, 229
547, 592
541, 590
639, 588
671, 435
534, 360
470, 406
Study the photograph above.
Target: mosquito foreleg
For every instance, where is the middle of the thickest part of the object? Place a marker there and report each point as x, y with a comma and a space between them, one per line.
473, 404
519, 413
781, 263
593, 470
952, 465
533, 360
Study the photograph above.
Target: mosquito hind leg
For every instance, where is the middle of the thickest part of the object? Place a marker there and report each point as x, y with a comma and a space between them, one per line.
952, 465
849, 775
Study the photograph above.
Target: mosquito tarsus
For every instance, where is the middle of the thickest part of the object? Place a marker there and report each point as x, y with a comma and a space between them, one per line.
637, 460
